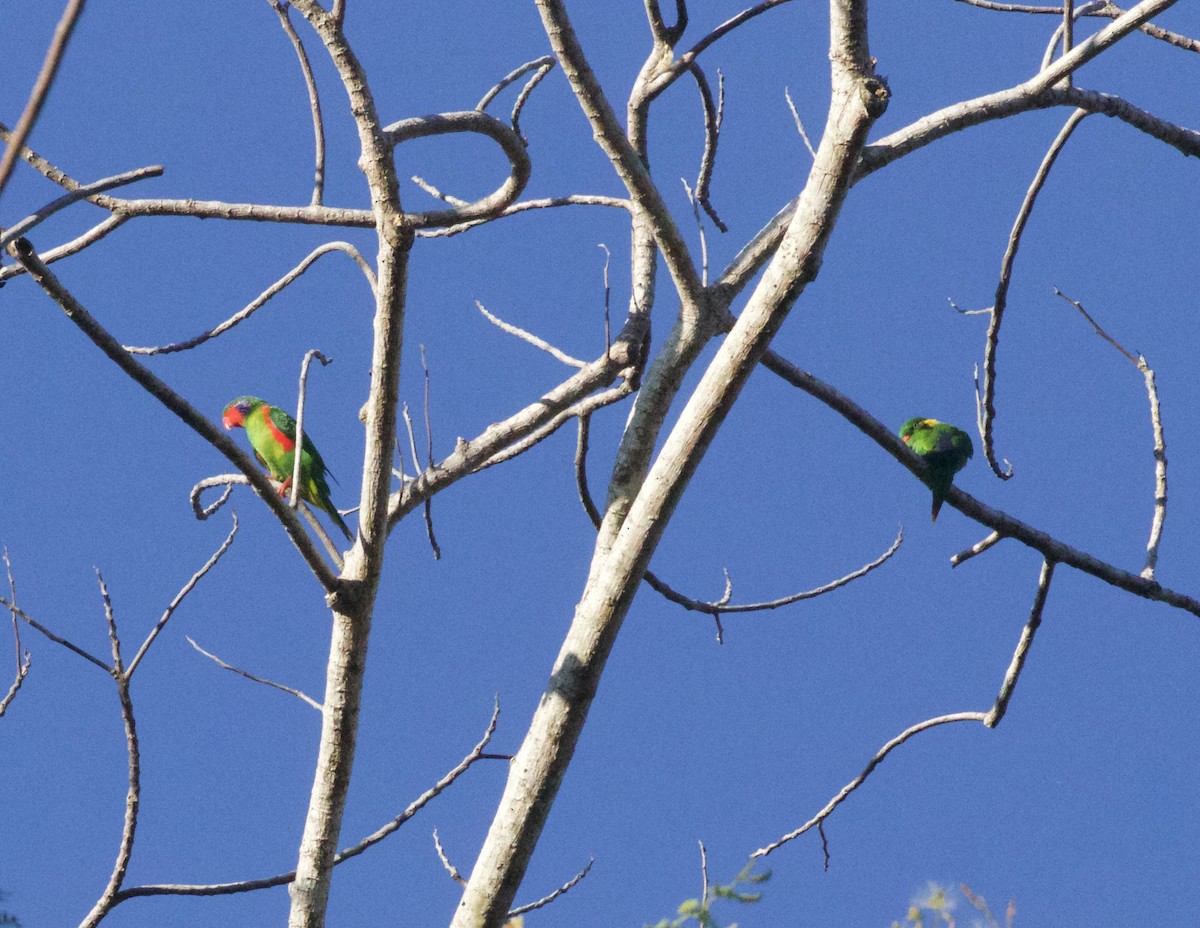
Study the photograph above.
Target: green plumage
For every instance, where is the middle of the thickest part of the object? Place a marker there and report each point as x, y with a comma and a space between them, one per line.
272, 434
943, 447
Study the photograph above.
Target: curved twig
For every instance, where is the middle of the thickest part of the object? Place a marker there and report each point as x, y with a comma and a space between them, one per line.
713, 112
261, 300
854, 784
314, 100
1001, 300
724, 608
1160, 442
547, 899
472, 121
685, 60
282, 879
540, 66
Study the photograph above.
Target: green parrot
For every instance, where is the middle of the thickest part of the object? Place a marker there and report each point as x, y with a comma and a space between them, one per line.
272, 434
943, 447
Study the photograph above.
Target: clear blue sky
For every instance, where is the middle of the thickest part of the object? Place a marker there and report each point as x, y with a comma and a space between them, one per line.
1081, 805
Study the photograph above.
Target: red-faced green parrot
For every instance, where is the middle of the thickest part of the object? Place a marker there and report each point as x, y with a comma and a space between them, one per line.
944, 448
272, 434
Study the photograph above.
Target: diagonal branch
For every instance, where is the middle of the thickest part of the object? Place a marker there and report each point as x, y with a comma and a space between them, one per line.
175, 403
282, 879
41, 88
261, 300
304, 697
74, 196
858, 781
1022, 652
179, 597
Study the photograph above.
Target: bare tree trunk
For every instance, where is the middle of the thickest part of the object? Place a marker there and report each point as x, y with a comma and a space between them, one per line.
537, 770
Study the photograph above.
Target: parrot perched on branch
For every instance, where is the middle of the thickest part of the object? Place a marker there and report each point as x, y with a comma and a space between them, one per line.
943, 447
272, 434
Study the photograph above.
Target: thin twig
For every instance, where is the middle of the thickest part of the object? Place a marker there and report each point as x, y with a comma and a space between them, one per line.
24, 616
1100, 8
546, 900
703, 876
261, 300
692, 199
713, 114
722, 608
1022, 652
546, 62
978, 548
1160, 443
282, 879
187, 588
314, 101
223, 480
133, 794
24, 661
530, 338
1006, 266
439, 194
433, 543
858, 780
799, 125
41, 88
65, 250
249, 676
74, 196
450, 868
681, 64
525, 206
298, 461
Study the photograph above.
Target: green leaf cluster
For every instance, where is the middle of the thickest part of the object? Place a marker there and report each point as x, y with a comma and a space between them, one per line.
700, 911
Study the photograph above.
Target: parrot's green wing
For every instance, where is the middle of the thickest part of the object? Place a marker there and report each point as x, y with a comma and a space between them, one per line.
944, 448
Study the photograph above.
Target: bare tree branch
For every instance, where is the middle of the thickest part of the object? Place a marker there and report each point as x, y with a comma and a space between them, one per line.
133, 794
41, 88
261, 300
249, 676
547, 899
175, 403
314, 100
224, 889
73, 247
858, 781
1001, 299
474, 122
179, 597
74, 196
1018, 659
1160, 442
531, 338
